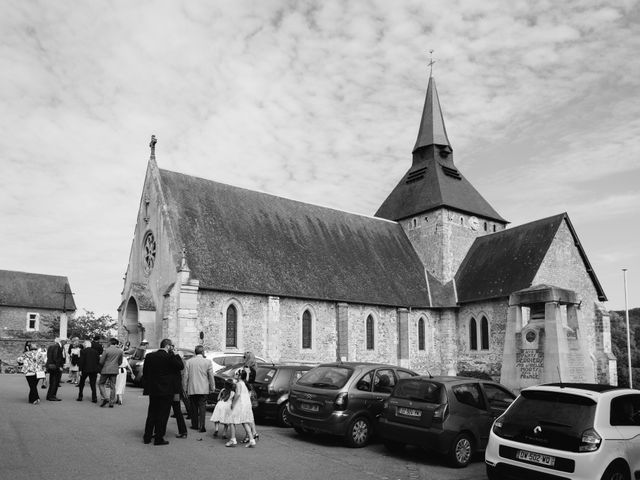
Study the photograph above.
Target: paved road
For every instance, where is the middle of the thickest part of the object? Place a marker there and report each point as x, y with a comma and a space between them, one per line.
69, 439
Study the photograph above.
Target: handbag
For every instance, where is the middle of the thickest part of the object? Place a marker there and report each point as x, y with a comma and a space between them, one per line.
254, 398
40, 374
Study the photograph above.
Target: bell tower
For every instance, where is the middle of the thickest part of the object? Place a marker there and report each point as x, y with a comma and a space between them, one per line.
440, 211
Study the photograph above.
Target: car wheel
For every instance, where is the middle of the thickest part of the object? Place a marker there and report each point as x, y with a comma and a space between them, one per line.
283, 415
616, 472
392, 446
305, 432
461, 451
358, 432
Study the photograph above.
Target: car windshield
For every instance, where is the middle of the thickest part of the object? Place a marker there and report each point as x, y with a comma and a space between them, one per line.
419, 390
558, 409
326, 377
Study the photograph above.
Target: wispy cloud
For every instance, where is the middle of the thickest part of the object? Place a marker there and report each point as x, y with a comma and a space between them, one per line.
318, 101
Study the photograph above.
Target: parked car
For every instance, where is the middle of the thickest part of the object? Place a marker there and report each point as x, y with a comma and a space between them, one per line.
220, 376
136, 362
569, 431
220, 360
450, 415
343, 398
272, 385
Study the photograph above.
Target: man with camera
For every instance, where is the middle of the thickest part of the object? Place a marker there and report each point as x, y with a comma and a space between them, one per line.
159, 381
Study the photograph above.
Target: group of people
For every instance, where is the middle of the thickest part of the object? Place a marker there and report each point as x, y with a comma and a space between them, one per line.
167, 380
84, 361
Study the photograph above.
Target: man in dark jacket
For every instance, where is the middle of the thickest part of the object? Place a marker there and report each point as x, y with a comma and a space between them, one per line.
55, 362
89, 364
159, 380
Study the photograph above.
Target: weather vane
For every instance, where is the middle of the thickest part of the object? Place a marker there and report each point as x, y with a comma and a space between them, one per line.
431, 62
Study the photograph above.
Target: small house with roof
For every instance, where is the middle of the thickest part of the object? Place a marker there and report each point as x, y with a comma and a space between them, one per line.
28, 303
428, 282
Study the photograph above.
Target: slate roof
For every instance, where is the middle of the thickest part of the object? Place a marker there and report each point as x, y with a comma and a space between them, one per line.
432, 130
501, 263
433, 190
34, 290
241, 240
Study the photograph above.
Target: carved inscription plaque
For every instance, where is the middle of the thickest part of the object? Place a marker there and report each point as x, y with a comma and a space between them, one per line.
530, 363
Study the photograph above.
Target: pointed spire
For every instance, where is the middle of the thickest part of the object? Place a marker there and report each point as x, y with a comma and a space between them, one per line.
432, 130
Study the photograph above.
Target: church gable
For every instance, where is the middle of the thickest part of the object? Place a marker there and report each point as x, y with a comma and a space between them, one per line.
504, 262
246, 241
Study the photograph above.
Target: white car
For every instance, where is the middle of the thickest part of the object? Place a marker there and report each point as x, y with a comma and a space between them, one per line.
567, 431
222, 360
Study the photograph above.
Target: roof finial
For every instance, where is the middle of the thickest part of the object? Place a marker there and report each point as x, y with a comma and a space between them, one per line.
430, 64
152, 145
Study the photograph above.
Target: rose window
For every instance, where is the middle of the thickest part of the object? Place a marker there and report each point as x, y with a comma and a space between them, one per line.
149, 252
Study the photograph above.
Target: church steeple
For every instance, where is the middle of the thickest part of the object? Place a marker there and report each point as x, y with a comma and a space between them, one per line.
432, 130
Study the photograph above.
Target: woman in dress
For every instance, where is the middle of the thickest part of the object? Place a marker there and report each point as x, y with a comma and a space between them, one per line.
121, 379
241, 412
32, 362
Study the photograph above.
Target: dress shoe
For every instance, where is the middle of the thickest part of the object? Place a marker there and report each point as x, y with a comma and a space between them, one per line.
194, 428
203, 430
181, 435
146, 441
111, 405
79, 399
104, 403
54, 399
161, 442
94, 400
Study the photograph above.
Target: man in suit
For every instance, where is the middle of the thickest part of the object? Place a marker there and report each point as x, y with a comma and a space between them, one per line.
89, 365
110, 361
198, 381
159, 380
55, 362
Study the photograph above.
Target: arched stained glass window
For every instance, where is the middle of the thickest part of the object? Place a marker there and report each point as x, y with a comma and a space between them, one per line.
421, 334
232, 327
306, 329
473, 334
370, 333
484, 333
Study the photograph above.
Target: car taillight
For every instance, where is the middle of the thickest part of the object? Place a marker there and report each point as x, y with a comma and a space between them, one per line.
341, 401
497, 426
590, 441
440, 413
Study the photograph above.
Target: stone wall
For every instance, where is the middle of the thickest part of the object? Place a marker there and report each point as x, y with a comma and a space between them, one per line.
13, 320
490, 360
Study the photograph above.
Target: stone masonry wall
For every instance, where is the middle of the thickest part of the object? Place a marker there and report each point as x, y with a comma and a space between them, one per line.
488, 361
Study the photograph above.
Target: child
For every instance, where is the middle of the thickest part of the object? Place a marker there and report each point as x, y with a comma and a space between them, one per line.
223, 407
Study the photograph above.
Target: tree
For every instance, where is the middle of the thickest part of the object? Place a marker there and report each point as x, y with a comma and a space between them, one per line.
85, 326
619, 347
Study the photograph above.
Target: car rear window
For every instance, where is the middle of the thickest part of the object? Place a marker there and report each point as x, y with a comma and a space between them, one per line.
554, 408
419, 390
265, 374
138, 354
326, 377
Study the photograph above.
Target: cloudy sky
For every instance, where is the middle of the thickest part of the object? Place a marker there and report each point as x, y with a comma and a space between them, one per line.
316, 101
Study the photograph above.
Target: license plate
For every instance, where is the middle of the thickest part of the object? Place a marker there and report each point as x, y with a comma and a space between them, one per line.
309, 407
547, 460
409, 412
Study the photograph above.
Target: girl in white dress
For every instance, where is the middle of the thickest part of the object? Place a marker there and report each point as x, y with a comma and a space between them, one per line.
222, 412
241, 412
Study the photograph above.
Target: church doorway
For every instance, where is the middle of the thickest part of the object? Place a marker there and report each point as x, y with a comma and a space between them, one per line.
135, 331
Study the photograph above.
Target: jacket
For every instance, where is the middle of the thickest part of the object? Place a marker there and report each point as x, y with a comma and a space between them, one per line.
110, 360
198, 377
160, 373
55, 358
89, 360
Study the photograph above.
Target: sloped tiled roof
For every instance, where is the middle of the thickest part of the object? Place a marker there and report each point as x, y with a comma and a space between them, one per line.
21, 289
432, 190
501, 263
246, 241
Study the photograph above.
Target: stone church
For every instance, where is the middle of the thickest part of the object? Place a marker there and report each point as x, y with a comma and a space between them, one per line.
434, 281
